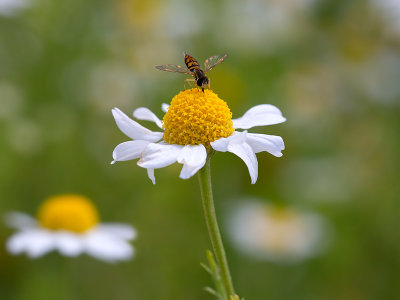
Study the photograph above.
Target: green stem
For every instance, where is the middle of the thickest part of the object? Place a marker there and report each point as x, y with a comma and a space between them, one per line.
212, 225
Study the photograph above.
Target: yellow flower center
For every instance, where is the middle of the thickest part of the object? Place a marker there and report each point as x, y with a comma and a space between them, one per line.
195, 117
68, 212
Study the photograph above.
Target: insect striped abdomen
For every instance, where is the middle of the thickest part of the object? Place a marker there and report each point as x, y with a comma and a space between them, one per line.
191, 63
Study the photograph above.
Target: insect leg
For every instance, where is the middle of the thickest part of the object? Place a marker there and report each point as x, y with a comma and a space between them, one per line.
186, 81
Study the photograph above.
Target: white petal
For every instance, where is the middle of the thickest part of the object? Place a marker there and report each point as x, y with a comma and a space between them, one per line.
129, 150
259, 115
263, 142
143, 113
157, 156
34, 242
237, 144
245, 152
68, 244
150, 174
133, 129
17, 243
222, 143
164, 107
107, 247
123, 231
193, 159
19, 220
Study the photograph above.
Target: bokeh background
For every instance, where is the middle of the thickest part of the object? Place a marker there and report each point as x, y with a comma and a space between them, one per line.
331, 66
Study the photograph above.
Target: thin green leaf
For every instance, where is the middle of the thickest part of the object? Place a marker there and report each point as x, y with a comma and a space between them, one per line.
207, 268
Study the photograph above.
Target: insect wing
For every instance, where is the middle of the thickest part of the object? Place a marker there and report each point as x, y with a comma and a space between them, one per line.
212, 61
174, 68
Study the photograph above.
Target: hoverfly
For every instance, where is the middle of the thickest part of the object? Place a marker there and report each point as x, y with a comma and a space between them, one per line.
193, 68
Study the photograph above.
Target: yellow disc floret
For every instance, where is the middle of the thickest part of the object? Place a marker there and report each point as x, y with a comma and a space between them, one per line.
68, 212
195, 117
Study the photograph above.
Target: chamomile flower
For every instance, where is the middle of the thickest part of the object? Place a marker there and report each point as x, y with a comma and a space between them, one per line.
194, 123
70, 225
276, 233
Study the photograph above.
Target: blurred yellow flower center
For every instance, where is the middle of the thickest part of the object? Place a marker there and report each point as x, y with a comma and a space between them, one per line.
195, 117
68, 212
281, 214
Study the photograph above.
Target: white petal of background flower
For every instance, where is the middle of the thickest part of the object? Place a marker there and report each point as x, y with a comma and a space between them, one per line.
263, 142
129, 150
193, 159
120, 230
68, 244
19, 220
259, 115
102, 245
143, 113
157, 156
16, 244
34, 242
133, 129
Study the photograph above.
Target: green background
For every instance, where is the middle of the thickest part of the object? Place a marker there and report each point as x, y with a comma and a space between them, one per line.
332, 67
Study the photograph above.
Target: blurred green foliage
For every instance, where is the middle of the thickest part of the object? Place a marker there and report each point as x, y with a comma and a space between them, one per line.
332, 67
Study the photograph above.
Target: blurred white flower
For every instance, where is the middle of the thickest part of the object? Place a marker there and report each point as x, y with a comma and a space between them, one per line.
377, 77
25, 136
323, 179
256, 25
390, 10
11, 8
12, 100
69, 224
278, 234
112, 80
178, 19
